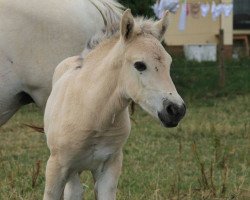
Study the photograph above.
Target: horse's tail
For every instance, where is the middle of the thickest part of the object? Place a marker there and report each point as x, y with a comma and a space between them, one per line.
111, 12
36, 128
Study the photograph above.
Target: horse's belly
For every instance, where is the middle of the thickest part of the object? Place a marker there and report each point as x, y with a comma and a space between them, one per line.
36, 35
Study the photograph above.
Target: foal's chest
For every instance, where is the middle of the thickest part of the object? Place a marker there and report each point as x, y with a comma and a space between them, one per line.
101, 146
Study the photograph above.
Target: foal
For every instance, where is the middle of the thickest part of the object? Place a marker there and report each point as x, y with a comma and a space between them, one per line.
86, 117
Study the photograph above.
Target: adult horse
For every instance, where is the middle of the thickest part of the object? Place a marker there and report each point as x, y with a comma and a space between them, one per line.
34, 37
86, 119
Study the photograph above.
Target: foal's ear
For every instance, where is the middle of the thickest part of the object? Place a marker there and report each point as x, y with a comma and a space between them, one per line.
127, 25
161, 26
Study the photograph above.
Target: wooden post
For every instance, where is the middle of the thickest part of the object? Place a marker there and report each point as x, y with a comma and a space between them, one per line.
221, 59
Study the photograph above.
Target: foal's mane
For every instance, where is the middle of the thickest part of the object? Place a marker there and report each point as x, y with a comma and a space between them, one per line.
111, 27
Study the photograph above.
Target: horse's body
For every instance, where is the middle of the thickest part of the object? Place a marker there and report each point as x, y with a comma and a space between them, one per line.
86, 117
34, 37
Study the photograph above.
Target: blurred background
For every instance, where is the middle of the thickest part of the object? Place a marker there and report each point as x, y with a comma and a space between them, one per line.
208, 155
202, 24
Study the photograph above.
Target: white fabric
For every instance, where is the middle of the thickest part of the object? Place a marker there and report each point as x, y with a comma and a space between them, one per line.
183, 16
204, 9
227, 9
216, 10
160, 8
156, 10
213, 7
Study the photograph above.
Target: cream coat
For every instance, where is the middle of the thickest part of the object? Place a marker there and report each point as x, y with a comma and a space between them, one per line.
86, 117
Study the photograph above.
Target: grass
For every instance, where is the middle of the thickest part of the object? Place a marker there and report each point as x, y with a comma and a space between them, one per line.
205, 157
200, 80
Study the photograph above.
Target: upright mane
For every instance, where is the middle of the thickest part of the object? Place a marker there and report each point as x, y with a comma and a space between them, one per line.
112, 27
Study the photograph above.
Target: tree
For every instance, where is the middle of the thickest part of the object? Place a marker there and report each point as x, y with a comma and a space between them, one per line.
139, 7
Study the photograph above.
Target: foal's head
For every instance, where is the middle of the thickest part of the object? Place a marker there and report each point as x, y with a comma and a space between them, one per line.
145, 69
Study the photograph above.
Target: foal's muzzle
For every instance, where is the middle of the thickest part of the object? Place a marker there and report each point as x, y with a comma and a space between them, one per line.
171, 113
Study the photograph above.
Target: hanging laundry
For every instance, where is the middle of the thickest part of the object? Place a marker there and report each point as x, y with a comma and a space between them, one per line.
161, 6
183, 16
216, 10
227, 9
171, 5
213, 11
204, 9
187, 8
155, 8
195, 9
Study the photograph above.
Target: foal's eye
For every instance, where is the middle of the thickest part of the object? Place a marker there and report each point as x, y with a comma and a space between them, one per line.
140, 66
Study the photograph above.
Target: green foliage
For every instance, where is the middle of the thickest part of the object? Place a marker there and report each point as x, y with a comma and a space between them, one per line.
139, 7
197, 81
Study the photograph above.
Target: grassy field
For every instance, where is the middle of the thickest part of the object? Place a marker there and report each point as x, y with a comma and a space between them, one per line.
206, 157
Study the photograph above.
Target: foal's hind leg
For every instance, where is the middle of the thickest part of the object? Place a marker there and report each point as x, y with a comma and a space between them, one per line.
73, 189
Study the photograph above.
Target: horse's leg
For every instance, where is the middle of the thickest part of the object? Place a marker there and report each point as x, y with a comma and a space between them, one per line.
106, 178
56, 178
9, 104
11, 95
73, 189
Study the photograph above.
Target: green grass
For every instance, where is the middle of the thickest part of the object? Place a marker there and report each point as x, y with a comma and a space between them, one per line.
206, 157
200, 80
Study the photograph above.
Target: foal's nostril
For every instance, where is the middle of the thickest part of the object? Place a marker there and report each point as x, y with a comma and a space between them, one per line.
172, 113
172, 109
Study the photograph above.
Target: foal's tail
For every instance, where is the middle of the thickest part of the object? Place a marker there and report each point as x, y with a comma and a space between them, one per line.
35, 128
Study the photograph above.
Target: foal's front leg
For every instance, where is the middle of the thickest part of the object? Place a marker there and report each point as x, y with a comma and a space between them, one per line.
106, 177
73, 189
56, 178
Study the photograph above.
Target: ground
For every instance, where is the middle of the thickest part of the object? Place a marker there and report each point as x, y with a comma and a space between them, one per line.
205, 157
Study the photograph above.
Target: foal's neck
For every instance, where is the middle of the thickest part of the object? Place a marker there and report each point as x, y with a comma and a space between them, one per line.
102, 70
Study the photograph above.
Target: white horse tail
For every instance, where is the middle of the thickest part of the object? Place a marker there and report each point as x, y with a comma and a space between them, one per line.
111, 12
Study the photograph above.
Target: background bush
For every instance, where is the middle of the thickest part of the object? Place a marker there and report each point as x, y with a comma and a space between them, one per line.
139, 7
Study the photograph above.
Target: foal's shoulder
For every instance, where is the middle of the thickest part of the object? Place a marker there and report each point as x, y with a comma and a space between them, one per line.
74, 62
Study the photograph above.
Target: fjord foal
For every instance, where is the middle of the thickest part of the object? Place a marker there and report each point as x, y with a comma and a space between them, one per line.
86, 116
